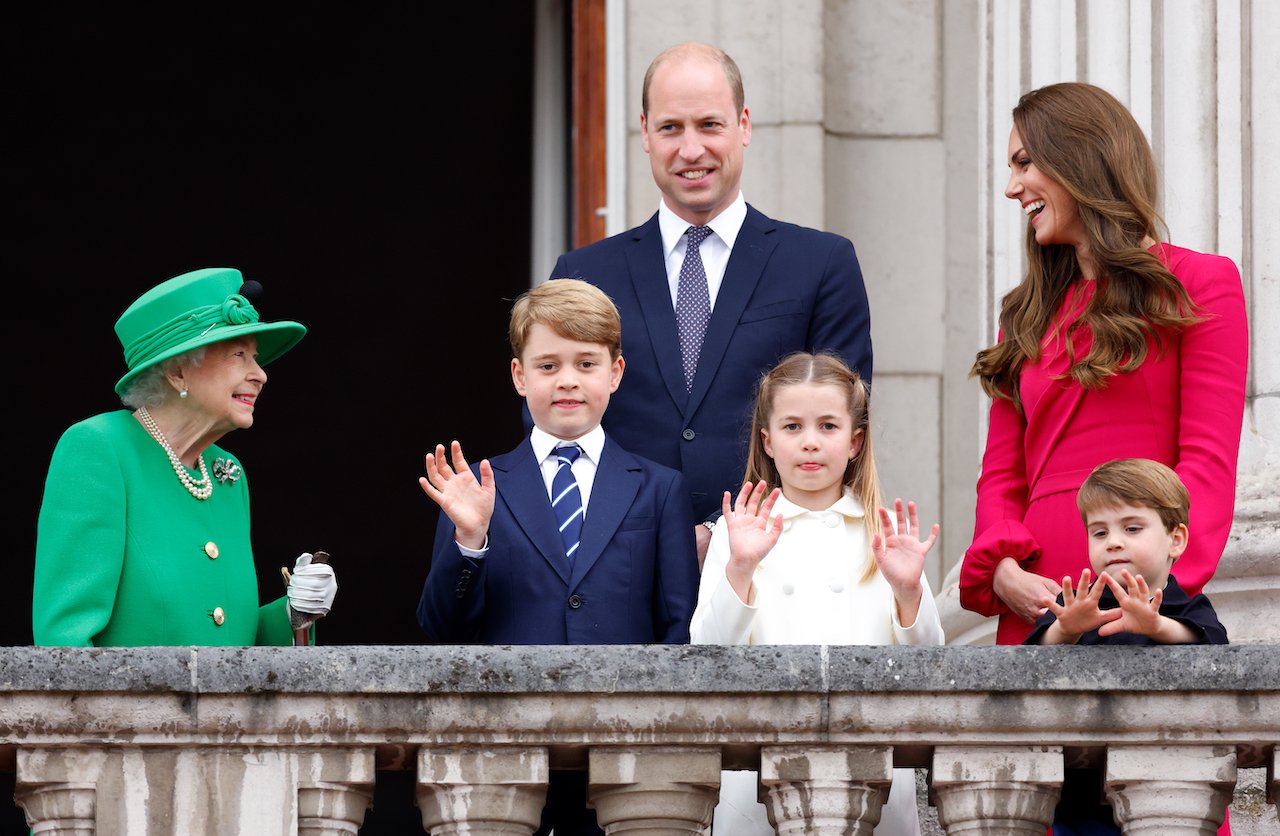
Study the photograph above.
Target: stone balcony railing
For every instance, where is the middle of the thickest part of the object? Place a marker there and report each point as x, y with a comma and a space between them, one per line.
271, 741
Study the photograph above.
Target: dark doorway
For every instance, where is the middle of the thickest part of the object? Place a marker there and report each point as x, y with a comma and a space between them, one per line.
371, 170
369, 164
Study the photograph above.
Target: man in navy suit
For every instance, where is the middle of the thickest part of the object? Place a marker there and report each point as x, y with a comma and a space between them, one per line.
764, 288
567, 539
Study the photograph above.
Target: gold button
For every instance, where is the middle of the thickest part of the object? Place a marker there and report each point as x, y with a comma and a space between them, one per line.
211, 549
219, 616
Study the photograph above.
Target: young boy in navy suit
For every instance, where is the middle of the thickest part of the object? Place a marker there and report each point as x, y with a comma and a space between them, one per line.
1135, 512
568, 538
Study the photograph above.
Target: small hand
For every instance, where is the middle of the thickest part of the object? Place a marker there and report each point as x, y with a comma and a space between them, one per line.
1079, 613
468, 503
1023, 592
1139, 609
900, 552
900, 555
752, 534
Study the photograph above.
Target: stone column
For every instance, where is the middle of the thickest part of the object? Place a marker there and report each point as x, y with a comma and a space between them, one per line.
1170, 789
987, 790
815, 790
1273, 780
482, 791
335, 787
57, 789
655, 791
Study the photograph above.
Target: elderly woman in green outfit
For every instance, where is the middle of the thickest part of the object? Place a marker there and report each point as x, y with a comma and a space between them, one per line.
143, 536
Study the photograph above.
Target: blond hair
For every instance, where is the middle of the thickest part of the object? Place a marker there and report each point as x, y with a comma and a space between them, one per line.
1139, 482
573, 309
860, 475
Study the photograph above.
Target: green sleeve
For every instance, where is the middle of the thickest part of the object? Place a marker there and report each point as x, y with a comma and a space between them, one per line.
80, 541
273, 624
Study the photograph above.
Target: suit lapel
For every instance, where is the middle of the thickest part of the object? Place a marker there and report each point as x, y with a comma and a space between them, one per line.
521, 487
750, 253
616, 484
649, 278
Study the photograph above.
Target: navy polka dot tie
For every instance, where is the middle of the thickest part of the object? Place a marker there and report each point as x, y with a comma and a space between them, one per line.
566, 499
693, 303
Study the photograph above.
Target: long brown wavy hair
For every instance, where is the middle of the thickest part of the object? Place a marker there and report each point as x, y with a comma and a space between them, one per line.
860, 473
1082, 138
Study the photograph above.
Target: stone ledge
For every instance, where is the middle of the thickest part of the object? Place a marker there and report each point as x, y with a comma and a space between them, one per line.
649, 669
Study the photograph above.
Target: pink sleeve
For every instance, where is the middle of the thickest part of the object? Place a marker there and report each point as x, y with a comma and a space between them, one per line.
1213, 364
1002, 503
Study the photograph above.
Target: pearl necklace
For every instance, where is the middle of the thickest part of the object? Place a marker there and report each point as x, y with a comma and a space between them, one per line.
200, 490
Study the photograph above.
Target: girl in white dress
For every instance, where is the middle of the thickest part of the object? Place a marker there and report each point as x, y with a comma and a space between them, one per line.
805, 564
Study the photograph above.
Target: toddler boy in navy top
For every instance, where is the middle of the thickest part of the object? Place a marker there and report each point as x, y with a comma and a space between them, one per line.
1135, 512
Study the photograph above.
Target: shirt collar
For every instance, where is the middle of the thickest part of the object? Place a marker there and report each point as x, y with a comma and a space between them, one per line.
726, 225
543, 443
847, 505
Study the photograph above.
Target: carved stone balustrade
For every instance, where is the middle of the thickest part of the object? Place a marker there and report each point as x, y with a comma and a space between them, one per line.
288, 740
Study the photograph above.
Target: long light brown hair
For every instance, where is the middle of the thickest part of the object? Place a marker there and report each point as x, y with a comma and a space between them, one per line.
1082, 138
860, 473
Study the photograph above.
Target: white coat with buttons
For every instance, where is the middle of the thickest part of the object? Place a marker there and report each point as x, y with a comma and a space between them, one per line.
808, 590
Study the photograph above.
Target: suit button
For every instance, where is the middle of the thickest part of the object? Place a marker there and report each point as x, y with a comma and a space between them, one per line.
576, 601
688, 434
218, 616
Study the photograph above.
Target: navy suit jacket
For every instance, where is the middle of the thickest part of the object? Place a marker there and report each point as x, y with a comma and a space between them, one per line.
634, 578
786, 288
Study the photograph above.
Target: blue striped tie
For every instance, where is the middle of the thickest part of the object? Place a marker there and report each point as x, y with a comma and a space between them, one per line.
566, 499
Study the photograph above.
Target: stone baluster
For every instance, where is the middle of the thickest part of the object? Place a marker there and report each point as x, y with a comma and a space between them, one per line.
989, 790
65, 809
655, 791
818, 789
57, 789
1170, 790
482, 791
335, 788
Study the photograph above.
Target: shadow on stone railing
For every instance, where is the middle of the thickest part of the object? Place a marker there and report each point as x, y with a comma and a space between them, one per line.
287, 740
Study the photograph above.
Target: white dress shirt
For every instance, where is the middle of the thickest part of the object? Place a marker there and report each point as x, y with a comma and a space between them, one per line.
584, 469
715, 249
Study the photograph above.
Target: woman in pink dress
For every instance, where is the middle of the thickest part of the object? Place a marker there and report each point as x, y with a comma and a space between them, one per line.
1114, 345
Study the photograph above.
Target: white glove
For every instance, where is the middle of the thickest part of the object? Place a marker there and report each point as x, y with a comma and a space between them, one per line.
312, 586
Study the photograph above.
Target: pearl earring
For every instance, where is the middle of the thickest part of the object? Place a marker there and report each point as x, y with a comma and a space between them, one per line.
183, 393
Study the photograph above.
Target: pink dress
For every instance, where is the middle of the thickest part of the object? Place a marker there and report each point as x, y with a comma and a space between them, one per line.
1183, 406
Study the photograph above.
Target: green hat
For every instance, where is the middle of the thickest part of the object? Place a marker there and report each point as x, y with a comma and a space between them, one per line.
191, 310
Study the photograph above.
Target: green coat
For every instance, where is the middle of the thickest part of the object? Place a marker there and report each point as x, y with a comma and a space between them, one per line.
124, 552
